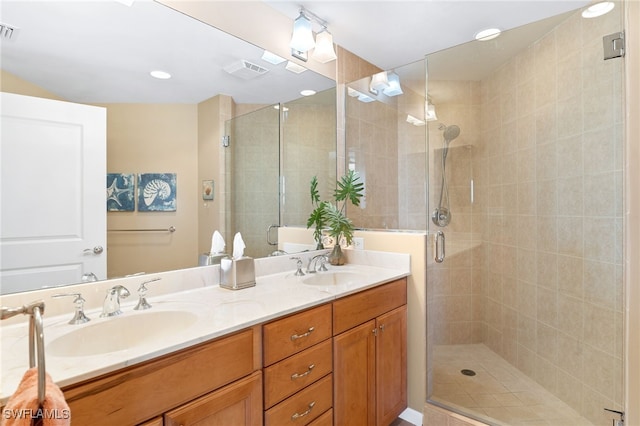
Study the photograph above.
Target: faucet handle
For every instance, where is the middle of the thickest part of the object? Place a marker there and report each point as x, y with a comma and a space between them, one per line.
298, 272
79, 317
323, 263
142, 293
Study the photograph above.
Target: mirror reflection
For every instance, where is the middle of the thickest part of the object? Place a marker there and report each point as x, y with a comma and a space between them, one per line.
101, 54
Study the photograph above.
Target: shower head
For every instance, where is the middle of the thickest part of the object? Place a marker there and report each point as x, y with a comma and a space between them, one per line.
450, 133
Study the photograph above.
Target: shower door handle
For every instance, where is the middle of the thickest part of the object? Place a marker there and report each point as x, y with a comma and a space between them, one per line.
439, 252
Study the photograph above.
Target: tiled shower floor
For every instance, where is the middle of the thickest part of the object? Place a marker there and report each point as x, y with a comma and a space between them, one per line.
499, 393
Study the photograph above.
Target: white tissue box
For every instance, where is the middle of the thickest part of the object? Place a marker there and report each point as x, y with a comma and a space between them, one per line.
236, 274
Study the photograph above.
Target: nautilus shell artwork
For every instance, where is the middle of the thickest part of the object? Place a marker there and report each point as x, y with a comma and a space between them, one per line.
156, 189
157, 192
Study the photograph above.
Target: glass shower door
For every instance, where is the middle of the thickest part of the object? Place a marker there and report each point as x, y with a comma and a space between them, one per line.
252, 160
525, 313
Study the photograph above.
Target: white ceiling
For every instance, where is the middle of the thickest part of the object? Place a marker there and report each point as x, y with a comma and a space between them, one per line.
394, 33
101, 51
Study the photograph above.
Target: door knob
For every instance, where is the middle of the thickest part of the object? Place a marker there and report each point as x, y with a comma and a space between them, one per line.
95, 250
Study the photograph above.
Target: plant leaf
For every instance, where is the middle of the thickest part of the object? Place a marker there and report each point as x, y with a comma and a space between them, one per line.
315, 194
349, 188
317, 219
338, 223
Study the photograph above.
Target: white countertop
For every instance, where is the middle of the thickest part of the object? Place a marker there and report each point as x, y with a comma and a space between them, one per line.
219, 312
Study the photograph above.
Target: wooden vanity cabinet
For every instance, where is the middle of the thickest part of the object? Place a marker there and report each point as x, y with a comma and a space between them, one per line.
340, 363
212, 370
239, 403
370, 355
297, 368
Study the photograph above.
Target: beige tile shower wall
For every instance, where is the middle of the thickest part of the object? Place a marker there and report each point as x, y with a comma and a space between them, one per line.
372, 150
254, 145
550, 168
412, 157
309, 149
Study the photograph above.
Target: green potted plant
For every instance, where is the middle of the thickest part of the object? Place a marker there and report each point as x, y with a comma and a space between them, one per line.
331, 215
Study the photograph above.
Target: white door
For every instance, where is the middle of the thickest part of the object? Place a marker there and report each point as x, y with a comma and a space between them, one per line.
52, 192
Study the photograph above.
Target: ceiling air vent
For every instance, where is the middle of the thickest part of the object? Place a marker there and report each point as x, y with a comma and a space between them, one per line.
7, 32
245, 69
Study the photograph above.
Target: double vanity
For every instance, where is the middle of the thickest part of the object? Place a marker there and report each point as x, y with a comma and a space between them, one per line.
315, 349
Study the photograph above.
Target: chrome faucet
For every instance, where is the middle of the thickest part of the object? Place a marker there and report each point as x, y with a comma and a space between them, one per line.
142, 294
78, 317
111, 306
323, 258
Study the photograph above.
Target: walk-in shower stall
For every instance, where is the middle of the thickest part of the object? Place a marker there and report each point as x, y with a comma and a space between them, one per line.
521, 180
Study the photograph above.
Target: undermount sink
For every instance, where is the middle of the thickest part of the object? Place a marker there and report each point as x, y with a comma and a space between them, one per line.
332, 278
120, 333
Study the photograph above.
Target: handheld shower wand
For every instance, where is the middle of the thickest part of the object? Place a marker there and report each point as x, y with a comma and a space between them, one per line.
441, 216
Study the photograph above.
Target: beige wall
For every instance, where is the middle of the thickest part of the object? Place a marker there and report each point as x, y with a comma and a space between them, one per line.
144, 138
212, 115
12, 84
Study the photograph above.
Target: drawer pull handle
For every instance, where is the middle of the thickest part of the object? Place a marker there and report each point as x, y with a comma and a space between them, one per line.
300, 375
299, 336
296, 416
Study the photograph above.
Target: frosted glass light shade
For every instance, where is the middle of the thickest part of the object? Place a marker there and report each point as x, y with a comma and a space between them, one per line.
394, 88
430, 113
324, 47
379, 81
302, 38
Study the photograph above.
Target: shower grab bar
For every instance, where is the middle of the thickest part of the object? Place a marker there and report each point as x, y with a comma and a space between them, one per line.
439, 251
35, 310
169, 229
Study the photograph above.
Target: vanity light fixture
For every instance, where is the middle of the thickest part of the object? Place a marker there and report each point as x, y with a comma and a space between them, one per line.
430, 112
302, 39
379, 81
161, 75
488, 34
359, 95
415, 121
324, 47
394, 88
598, 9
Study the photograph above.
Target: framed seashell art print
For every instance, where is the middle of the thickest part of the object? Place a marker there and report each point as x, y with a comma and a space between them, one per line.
157, 192
121, 195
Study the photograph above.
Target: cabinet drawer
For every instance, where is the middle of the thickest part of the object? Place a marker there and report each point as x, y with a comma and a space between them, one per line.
287, 336
351, 311
324, 420
303, 407
294, 373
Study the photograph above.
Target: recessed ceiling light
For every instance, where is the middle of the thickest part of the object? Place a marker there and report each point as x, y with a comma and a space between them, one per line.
598, 9
162, 75
488, 34
293, 67
272, 58
308, 92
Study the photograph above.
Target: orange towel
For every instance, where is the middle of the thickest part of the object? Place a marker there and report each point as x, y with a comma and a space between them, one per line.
23, 407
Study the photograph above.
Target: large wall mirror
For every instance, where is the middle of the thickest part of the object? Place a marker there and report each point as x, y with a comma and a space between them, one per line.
101, 53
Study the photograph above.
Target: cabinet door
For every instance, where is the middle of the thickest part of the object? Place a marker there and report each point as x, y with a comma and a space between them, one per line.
391, 365
239, 403
354, 372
